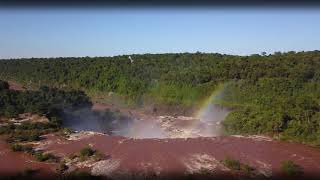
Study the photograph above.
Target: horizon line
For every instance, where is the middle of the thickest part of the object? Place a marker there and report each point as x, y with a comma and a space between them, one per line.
139, 54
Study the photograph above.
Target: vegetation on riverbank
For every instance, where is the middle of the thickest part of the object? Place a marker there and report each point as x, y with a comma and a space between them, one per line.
48, 103
291, 169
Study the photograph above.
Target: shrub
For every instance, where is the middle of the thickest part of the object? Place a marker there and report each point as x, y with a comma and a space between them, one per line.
35, 136
45, 157
232, 163
236, 165
86, 152
22, 136
16, 147
6, 129
290, 168
27, 131
23, 148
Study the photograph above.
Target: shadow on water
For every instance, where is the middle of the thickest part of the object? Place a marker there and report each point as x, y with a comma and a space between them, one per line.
85, 119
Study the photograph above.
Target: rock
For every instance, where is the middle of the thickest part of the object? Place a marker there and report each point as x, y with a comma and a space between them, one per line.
105, 167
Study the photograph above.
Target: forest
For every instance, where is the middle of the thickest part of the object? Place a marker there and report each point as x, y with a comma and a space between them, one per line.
276, 94
45, 101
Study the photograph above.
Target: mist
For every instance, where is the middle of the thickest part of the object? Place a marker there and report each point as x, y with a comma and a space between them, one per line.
207, 122
212, 116
142, 129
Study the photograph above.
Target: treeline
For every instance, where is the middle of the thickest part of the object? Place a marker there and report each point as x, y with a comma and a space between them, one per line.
274, 94
173, 71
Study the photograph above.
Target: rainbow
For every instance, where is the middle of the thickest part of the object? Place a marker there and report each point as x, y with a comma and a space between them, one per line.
206, 102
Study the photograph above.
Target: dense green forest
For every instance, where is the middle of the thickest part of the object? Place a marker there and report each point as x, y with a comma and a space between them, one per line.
277, 94
45, 101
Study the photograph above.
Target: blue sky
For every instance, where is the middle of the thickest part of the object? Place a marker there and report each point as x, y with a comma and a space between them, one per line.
109, 32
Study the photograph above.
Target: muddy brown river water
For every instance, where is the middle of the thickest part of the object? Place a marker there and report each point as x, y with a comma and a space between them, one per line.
178, 154
181, 155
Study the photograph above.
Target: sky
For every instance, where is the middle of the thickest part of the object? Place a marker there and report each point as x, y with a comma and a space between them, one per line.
109, 32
